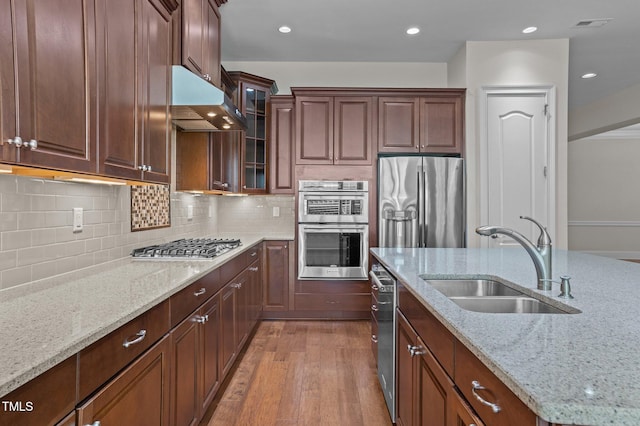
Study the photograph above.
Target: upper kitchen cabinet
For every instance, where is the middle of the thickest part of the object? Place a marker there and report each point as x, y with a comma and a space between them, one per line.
48, 106
282, 143
253, 97
8, 152
201, 38
431, 122
334, 129
135, 88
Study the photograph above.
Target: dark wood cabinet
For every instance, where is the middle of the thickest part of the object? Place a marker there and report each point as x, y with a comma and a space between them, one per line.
207, 161
184, 373
228, 330
253, 98
436, 372
8, 152
139, 395
425, 392
52, 107
44, 400
398, 124
431, 123
282, 144
135, 88
201, 39
276, 276
195, 374
83, 59
334, 130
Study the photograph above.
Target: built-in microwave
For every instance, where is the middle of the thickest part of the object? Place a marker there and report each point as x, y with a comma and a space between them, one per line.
333, 251
333, 201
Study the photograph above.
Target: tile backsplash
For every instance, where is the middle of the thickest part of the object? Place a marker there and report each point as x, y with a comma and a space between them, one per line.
36, 224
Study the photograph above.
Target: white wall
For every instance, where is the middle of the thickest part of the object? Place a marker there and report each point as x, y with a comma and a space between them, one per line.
346, 74
604, 198
612, 112
513, 63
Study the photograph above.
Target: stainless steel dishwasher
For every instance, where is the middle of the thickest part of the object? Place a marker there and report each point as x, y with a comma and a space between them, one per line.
383, 290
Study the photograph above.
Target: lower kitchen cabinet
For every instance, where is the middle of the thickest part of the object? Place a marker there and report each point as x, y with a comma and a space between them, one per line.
138, 395
276, 276
195, 370
425, 392
436, 375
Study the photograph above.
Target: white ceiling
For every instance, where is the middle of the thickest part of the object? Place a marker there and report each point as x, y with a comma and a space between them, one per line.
374, 30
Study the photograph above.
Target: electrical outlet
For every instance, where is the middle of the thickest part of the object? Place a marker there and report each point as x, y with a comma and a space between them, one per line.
190, 212
276, 211
78, 216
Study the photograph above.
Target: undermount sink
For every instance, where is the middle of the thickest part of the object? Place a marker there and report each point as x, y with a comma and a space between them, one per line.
471, 287
491, 296
506, 305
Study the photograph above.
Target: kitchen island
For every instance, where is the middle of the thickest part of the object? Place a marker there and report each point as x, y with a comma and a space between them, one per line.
567, 368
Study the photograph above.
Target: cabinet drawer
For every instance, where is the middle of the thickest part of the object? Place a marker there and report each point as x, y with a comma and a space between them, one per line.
100, 361
189, 299
437, 338
512, 410
333, 302
233, 267
49, 397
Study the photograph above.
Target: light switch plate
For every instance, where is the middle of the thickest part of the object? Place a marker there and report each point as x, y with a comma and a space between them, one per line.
276, 211
190, 212
77, 219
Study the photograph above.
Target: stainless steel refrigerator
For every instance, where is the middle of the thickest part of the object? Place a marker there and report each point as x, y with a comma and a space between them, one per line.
421, 201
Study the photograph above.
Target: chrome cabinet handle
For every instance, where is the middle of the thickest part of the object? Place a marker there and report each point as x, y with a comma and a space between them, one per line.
140, 337
32, 144
143, 168
253, 268
254, 254
148, 168
415, 350
374, 338
201, 319
207, 77
96, 423
17, 141
200, 292
374, 287
374, 308
236, 285
476, 386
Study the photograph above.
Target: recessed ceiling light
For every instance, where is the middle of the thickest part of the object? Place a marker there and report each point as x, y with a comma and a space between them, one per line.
530, 30
211, 114
284, 29
413, 30
589, 75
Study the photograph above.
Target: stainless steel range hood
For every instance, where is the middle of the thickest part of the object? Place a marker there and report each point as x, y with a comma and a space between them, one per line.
197, 105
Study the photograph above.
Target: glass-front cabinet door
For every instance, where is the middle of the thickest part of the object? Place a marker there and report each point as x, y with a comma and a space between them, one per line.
254, 93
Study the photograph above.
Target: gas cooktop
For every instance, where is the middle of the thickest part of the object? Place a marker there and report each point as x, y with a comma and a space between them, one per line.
192, 248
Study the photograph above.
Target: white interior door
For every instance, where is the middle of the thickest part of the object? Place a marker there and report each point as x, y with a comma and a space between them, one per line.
517, 162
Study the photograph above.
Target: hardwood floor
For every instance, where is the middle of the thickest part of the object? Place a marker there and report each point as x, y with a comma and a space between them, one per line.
305, 373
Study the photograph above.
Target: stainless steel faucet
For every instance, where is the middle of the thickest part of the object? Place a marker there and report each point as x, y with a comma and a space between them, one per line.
540, 254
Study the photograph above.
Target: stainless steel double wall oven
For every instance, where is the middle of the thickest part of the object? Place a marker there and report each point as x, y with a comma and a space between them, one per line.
333, 229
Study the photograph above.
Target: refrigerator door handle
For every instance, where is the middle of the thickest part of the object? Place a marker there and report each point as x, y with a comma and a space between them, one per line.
421, 203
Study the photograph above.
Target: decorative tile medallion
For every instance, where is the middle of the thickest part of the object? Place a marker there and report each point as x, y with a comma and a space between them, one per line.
150, 207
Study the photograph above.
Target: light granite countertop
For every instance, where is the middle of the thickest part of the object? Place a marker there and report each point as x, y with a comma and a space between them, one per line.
44, 322
573, 369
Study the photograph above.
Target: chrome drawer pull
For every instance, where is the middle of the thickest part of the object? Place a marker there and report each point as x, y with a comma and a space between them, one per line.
96, 423
415, 350
374, 287
374, 308
200, 292
476, 386
253, 269
138, 339
254, 254
374, 338
201, 319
